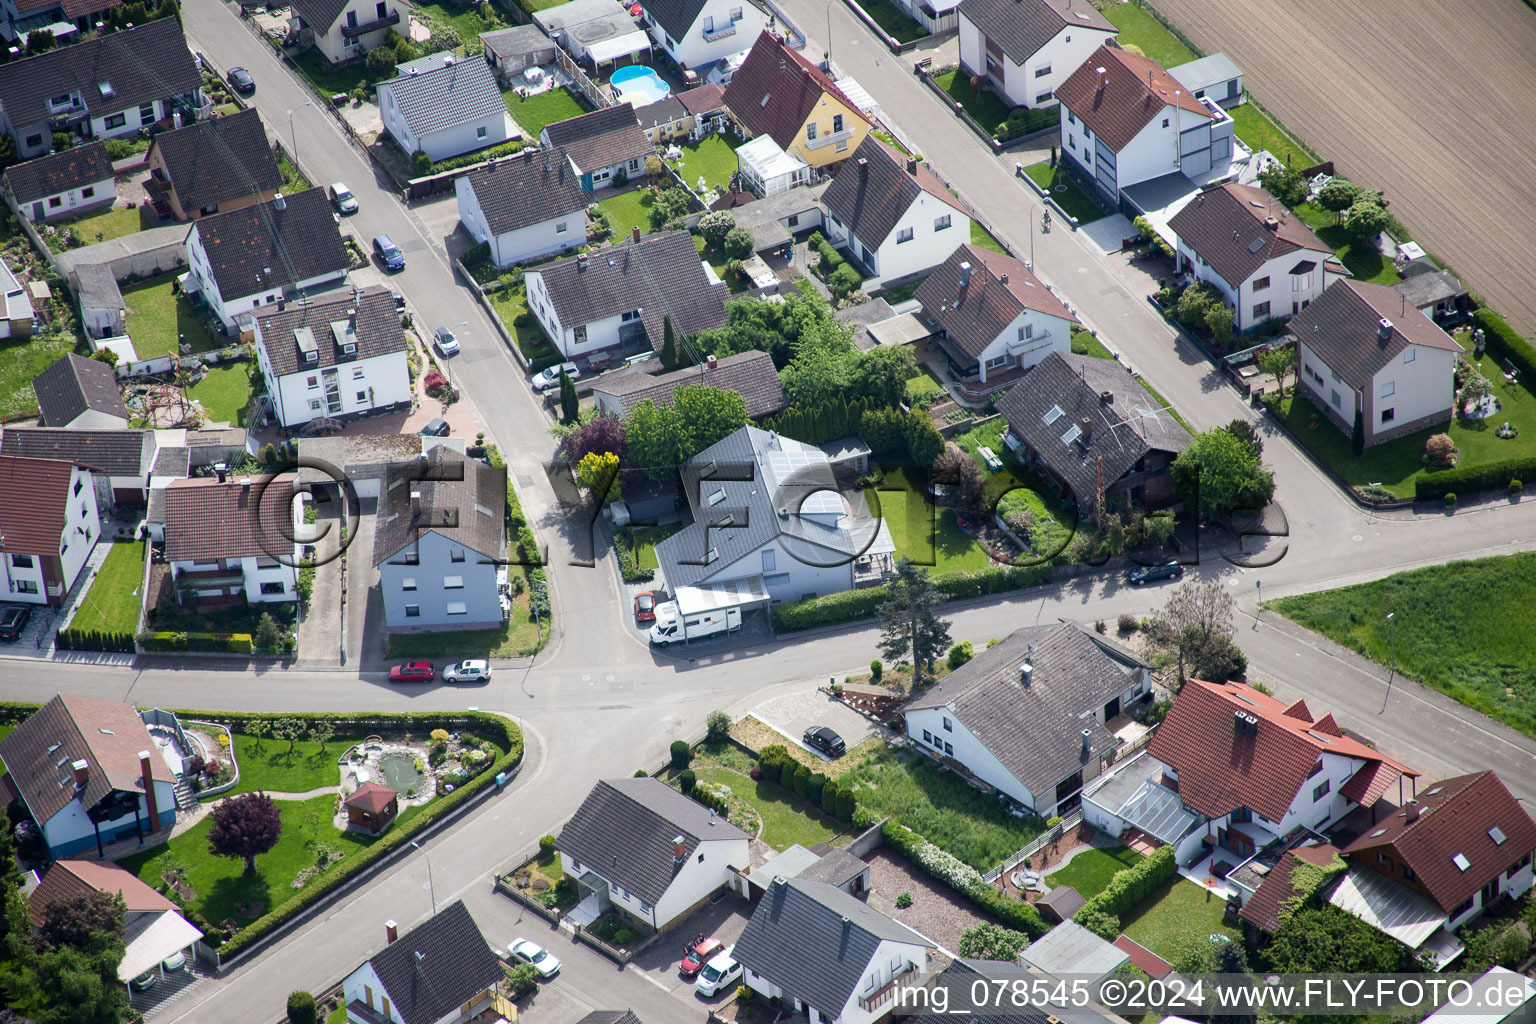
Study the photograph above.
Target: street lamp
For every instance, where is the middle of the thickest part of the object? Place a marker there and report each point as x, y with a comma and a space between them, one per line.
293, 139
1392, 665
430, 888
829, 35
1258, 586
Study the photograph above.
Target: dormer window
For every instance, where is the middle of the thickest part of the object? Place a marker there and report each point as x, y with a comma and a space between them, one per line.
106, 90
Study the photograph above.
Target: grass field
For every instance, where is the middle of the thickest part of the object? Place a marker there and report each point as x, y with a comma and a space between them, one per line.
1257, 132
112, 603
466, 21
924, 385
895, 22
159, 321
1460, 628
986, 107
1072, 199
1146, 33
20, 361
713, 158
226, 392
1178, 912
265, 764
981, 238
1090, 870
330, 79
787, 819
936, 542
626, 210
545, 108
109, 224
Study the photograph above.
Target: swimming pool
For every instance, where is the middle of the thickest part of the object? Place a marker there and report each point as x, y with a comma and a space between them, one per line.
639, 85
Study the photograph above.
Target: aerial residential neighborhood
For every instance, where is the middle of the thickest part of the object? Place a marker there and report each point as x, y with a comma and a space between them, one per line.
779, 513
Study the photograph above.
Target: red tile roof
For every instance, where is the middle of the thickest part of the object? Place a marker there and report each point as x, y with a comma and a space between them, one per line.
1136, 89
1455, 817
775, 90
1143, 957
70, 879
1265, 908
371, 798
1229, 227
1222, 767
34, 494
205, 519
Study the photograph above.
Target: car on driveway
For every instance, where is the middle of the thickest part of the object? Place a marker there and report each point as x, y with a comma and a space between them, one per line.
446, 343
826, 741
476, 670
176, 961
550, 378
412, 672
13, 619
241, 81
342, 197
525, 951
698, 955
720, 973
438, 427
1169, 570
145, 981
645, 606
388, 253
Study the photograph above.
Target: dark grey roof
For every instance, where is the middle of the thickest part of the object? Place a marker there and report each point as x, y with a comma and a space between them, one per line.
1022, 27
757, 473
445, 493
114, 452
370, 319
96, 286
262, 248
443, 95
624, 831
217, 160
601, 138
516, 41
1123, 429
73, 384
765, 217
660, 274
1071, 949
960, 975
875, 187
815, 941
610, 1017
1342, 327
750, 374
58, 172
836, 867
1036, 730
150, 62
172, 461
676, 16
320, 15
1229, 227
1429, 286
438, 966
529, 188
662, 112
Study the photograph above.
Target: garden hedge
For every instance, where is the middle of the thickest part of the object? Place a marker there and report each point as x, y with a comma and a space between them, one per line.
1014, 913
229, 643
1128, 888
848, 605
93, 640
1505, 341
1436, 485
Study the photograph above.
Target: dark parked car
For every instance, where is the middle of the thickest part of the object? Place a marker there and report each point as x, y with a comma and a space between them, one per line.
1169, 570
13, 619
826, 741
242, 81
437, 428
388, 253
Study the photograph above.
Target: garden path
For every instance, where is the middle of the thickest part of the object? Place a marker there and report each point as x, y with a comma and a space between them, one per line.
189, 820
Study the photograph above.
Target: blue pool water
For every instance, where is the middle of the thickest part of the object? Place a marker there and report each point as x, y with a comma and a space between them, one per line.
639, 85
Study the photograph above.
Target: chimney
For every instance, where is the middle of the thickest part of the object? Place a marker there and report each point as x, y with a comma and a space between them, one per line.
391, 932
1002, 279
912, 166
634, 234
1087, 427
1086, 735
863, 165
1101, 78
965, 274
1272, 223
279, 202
245, 484
1384, 330
1411, 812
711, 362
221, 470
581, 262
82, 769
679, 848
148, 778
1106, 398
1026, 672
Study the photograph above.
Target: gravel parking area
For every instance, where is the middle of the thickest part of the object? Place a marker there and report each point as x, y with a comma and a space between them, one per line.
937, 911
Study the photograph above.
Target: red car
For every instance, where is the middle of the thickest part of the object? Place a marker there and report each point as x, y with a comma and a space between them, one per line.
645, 606
412, 672
700, 955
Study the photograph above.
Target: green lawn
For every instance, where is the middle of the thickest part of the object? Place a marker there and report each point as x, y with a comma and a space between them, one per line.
1146, 33
981, 238
20, 361
924, 385
1257, 132
329, 79
112, 603
512, 303
714, 158
1179, 910
626, 210
338, 1016
519, 637
943, 546
985, 106
467, 21
265, 764
1085, 344
950, 812
226, 392
1071, 198
293, 178
646, 538
787, 819
157, 319
109, 224
1364, 262
1460, 628
545, 108
1014, 473
893, 20
1090, 870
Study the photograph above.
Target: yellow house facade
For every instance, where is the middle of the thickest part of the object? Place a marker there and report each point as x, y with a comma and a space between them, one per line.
778, 92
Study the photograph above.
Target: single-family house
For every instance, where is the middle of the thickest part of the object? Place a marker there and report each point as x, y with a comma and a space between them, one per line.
622, 294
16, 314
1126, 120
362, 461
828, 954
1088, 421
695, 33
524, 207
88, 773
606, 147
371, 807
768, 526
213, 166
1451, 853
334, 357
1215, 76
440, 972
439, 540
750, 374
640, 847
265, 253
70, 183
777, 220
81, 393
233, 540
64, 18
1024, 49
1435, 292
153, 932
1364, 352
1034, 715
49, 524
511, 50
102, 308
992, 316
599, 32
778, 92
691, 113
444, 107
343, 30
893, 213
1265, 263
120, 461
115, 84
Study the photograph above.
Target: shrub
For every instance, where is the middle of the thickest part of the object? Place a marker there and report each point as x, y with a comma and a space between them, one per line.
802, 780
1450, 499
522, 979
1105, 926
1130, 887
717, 727
623, 936
301, 1008
421, 163
1515, 487
829, 798
738, 243
848, 605
686, 780
1504, 341
904, 901
715, 225
682, 754
381, 62
1128, 623
876, 670
959, 654
843, 281
847, 804
1440, 452
546, 846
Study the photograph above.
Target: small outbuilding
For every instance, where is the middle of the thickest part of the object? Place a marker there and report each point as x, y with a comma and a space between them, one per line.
1060, 904
1071, 949
372, 807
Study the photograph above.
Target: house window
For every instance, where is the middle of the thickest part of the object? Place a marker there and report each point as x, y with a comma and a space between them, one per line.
949, 749
633, 314
1409, 356
904, 235
352, 19
1334, 374
1384, 861
27, 586
1321, 790
1165, 122
1333, 398
362, 396
272, 588
927, 737
940, 223
1070, 118
1388, 415
456, 555
1260, 284
381, 10
78, 485
453, 582
948, 725
408, 583
736, 14
21, 561
1072, 143
1515, 868
769, 560
33, 141
794, 220
1026, 332
837, 123
1410, 874
810, 131
1044, 97
115, 121
1041, 72
313, 382
357, 373
561, 227
54, 202
413, 611
89, 192
314, 405
701, 858
413, 558
457, 608
1389, 389
480, 132
1260, 309
997, 363
147, 113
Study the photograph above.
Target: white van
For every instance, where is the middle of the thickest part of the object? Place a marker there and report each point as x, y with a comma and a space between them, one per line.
721, 972
672, 626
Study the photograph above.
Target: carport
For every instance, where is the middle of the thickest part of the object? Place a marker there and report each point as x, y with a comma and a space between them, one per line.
153, 939
710, 597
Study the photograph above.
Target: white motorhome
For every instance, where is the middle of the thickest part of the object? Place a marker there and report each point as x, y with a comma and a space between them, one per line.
672, 626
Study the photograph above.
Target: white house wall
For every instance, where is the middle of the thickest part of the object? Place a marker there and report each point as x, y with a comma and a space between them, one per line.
1050, 334
336, 47
63, 204
1316, 812
448, 142
968, 750
71, 829
707, 869
25, 583
363, 982
889, 959
695, 49
1286, 294
1022, 84
82, 525
525, 243
377, 382
787, 578
929, 246
1423, 387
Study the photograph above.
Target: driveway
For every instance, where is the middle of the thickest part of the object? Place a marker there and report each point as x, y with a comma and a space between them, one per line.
658, 961
365, 605
794, 713
320, 622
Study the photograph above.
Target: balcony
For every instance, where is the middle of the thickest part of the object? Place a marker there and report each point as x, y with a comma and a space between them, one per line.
827, 140
353, 31
201, 578
885, 993
719, 32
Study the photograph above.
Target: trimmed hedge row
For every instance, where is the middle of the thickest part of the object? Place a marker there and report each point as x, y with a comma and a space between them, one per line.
93, 640
1470, 479
1505, 341
1103, 911
848, 605
230, 643
1016, 914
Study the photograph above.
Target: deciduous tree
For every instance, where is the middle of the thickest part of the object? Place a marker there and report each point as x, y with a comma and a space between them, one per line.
1279, 363
715, 225
1195, 624
988, 941
961, 476
89, 922
244, 826
1367, 216
1338, 195
910, 625
1284, 184
1221, 473
595, 473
